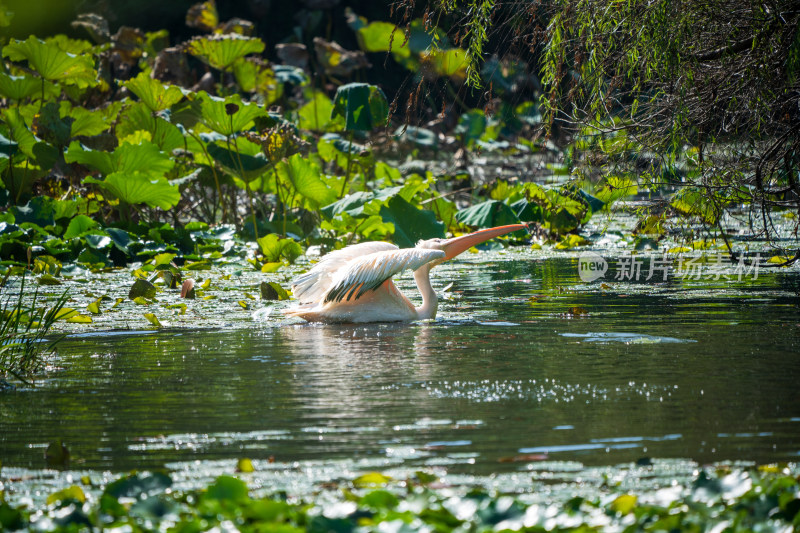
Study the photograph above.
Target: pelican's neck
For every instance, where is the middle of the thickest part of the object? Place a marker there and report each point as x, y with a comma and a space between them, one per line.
429, 301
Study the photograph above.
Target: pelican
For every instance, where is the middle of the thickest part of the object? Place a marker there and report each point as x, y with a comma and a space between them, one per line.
354, 284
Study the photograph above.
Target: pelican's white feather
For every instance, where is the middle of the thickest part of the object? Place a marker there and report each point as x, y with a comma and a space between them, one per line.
370, 271
312, 286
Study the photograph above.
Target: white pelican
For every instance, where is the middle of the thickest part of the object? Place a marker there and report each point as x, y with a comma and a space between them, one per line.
354, 284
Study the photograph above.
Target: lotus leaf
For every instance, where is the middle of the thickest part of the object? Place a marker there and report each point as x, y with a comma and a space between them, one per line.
51, 63
362, 106
244, 166
222, 51
253, 76
87, 122
275, 249
290, 74
487, 214
411, 224
78, 226
303, 178
137, 187
144, 157
214, 113
153, 93
138, 117
381, 36
22, 87
451, 63
315, 115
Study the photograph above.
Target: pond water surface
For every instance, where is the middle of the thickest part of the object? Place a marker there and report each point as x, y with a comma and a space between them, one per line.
525, 363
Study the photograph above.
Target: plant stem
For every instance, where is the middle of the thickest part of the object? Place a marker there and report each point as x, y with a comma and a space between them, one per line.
349, 157
246, 183
214, 172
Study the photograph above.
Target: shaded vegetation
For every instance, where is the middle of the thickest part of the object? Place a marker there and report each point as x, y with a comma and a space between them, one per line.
735, 500
698, 96
118, 150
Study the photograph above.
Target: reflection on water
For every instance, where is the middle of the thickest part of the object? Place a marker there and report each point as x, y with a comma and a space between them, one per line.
507, 369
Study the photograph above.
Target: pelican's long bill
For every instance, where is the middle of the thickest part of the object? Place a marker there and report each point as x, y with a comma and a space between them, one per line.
456, 245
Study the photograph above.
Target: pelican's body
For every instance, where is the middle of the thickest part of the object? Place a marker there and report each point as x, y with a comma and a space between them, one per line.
354, 284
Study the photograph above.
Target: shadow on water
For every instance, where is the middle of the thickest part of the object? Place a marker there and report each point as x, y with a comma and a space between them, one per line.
524, 362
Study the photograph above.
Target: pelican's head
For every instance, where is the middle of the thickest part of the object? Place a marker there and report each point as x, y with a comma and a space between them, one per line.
456, 245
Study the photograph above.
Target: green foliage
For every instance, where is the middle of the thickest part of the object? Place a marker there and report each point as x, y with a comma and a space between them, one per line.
137, 187
316, 114
142, 157
303, 183
153, 93
275, 249
51, 63
223, 51
747, 499
19, 87
24, 328
362, 106
227, 116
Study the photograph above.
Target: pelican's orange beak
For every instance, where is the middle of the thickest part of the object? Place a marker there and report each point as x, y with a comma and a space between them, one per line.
456, 245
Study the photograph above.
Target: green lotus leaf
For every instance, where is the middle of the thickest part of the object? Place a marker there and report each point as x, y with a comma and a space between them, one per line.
18, 131
252, 76
71, 46
487, 215
215, 113
360, 203
153, 93
87, 122
275, 249
560, 213
51, 127
79, 225
22, 87
127, 158
362, 106
315, 115
139, 187
52, 63
222, 51
138, 117
20, 179
411, 224
381, 36
303, 177
242, 165
451, 63
692, 201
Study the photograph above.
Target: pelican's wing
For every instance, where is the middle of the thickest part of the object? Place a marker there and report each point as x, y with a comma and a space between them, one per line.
370, 271
312, 286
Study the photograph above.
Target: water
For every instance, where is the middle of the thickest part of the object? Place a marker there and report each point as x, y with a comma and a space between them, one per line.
525, 363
